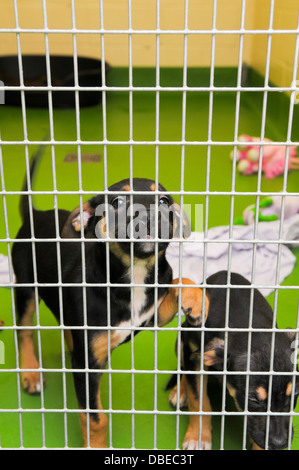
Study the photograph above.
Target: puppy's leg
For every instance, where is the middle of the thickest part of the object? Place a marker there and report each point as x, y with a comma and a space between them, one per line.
192, 435
191, 302
69, 339
93, 424
174, 396
25, 301
183, 399
96, 428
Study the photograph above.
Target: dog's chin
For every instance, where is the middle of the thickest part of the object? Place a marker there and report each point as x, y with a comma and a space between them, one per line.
147, 250
144, 249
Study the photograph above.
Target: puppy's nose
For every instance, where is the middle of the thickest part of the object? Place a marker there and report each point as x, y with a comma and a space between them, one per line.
192, 318
278, 443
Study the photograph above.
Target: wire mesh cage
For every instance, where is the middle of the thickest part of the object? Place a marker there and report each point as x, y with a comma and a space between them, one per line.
149, 93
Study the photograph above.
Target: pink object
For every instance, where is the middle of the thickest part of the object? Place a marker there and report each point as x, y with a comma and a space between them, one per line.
273, 157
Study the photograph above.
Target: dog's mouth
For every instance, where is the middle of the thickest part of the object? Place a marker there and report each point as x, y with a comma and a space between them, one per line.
193, 319
145, 228
145, 240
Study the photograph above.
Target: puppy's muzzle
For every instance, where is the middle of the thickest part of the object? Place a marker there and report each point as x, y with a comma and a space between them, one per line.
192, 318
148, 228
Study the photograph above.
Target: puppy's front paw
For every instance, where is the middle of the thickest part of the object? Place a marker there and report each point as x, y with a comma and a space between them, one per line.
192, 304
173, 398
191, 442
31, 382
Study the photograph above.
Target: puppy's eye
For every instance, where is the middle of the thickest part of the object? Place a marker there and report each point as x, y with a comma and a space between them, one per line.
118, 202
164, 201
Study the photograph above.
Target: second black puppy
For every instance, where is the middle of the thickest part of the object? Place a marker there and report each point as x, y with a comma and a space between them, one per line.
237, 358
123, 308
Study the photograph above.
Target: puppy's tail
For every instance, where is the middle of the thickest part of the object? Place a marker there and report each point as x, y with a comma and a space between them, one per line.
172, 382
24, 203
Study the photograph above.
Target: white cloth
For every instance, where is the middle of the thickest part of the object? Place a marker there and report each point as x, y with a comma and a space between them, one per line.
241, 253
4, 270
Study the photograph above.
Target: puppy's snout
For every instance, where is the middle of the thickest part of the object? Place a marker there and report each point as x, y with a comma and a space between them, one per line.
279, 432
192, 317
278, 443
145, 229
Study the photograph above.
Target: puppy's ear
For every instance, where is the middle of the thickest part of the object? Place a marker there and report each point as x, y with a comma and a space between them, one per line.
72, 227
186, 229
291, 334
213, 352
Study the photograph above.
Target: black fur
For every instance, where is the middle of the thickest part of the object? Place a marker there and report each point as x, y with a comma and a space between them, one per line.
95, 274
237, 355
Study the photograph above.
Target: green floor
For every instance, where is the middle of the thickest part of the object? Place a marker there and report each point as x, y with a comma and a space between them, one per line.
35, 425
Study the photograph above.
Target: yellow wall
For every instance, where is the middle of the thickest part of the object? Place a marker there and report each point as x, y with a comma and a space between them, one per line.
87, 13
282, 45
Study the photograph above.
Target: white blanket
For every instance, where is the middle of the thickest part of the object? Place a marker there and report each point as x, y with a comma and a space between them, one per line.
4, 270
217, 253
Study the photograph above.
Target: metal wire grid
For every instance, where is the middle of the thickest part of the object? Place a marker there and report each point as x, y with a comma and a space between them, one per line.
186, 32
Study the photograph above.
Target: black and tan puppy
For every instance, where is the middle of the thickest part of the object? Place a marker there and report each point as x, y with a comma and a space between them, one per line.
123, 307
283, 391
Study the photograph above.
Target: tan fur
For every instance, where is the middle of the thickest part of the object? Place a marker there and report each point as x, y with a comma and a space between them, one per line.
69, 340
99, 345
72, 226
254, 446
192, 434
191, 297
102, 227
289, 389
97, 429
262, 393
210, 357
30, 380
77, 225
231, 390
182, 399
117, 251
168, 308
